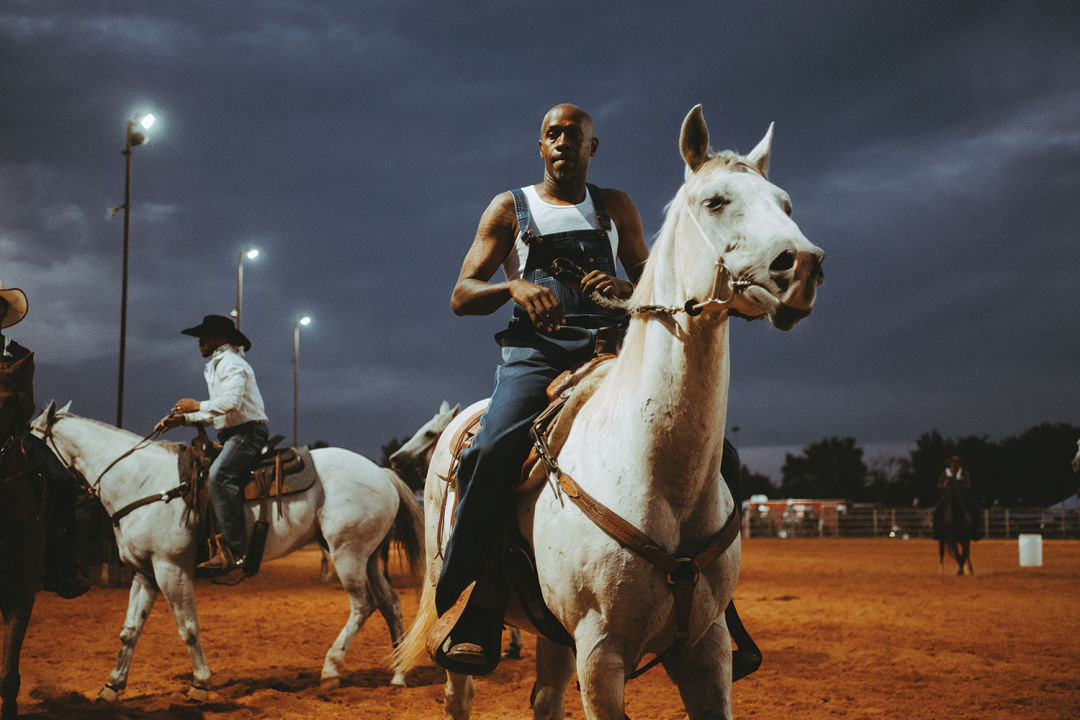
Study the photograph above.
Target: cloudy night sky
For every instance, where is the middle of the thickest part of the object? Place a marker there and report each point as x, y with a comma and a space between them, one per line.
932, 149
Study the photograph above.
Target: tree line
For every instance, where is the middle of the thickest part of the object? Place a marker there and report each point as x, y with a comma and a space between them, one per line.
1030, 469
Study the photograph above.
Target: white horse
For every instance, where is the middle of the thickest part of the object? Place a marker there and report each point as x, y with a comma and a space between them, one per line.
413, 458
1076, 460
648, 445
353, 504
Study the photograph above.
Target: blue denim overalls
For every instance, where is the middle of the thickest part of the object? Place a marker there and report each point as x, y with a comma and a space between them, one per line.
531, 359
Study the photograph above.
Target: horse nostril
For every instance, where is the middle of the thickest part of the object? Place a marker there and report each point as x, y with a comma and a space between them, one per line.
783, 262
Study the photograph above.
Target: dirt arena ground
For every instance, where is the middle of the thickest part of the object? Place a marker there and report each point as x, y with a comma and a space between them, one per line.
855, 629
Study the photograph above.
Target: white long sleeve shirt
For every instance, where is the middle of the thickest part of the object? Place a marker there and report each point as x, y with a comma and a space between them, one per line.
234, 396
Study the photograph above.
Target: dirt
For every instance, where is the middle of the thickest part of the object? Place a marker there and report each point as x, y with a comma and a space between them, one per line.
849, 629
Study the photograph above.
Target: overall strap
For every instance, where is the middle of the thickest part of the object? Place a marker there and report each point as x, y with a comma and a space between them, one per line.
602, 217
524, 217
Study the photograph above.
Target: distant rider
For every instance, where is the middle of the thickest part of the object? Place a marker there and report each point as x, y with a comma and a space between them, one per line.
955, 479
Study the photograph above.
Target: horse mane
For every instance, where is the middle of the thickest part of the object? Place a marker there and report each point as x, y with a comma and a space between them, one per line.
169, 445
631, 359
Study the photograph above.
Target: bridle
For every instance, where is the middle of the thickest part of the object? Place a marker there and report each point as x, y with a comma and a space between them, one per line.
94, 487
50, 440
724, 287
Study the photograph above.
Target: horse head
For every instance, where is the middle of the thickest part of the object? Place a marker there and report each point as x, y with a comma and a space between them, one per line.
414, 456
48, 417
747, 255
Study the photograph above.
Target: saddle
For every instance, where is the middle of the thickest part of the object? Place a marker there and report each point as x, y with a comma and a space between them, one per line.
559, 392
275, 473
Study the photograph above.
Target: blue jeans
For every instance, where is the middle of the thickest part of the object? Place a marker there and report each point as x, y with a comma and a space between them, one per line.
490, 469
228, 473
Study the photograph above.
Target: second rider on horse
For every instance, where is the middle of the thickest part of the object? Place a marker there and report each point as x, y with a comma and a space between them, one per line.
236, 410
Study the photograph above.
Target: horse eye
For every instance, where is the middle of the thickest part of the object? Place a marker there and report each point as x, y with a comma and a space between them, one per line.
430, 434
717, 202
786, 205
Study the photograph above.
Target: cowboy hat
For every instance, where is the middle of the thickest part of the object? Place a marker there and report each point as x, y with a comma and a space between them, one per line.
16, 309
219, 325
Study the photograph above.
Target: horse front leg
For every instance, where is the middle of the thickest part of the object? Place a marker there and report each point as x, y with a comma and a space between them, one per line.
178, 586
458, 696
602, 668
941, 556
702, 673
140, 601
554, 668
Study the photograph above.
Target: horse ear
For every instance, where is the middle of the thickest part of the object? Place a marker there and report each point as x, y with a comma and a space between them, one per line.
760, 154
66, 409
457, 409
50, 412
694, 139
444, 407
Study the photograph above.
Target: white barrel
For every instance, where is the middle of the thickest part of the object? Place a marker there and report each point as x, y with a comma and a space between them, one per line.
1030, 549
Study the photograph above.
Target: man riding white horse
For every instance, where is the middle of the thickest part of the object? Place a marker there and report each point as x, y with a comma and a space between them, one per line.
236, 409
554, 328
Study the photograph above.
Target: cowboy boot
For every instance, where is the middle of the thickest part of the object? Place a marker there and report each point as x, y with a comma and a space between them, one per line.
222, 562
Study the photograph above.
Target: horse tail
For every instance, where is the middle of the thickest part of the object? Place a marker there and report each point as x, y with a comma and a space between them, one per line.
408, 528
412, 650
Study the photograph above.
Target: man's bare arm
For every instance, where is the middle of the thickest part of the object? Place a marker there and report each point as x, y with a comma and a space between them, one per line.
632, 250
475, 294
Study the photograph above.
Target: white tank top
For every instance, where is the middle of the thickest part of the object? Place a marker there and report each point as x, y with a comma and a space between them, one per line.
545, 219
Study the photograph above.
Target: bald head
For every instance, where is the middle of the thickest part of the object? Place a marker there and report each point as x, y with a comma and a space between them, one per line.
569, 113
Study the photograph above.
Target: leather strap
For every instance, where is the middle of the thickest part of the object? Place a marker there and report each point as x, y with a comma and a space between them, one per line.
682, 572
460, 440
163, 496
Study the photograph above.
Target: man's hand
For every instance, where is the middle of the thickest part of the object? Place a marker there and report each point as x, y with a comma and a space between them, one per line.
169, 422
186, 405
607, 285
541, 304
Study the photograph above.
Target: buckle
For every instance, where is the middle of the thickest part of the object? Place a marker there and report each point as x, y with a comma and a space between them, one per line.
686, 571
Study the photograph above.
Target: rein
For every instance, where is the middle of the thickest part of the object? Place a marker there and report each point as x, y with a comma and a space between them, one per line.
95, 487
724, 288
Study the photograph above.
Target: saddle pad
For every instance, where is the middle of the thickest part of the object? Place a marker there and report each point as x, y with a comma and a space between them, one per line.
287, 472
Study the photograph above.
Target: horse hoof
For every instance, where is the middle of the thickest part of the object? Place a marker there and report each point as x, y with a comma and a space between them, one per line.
108, 695
197, 695
331, 682
398, 680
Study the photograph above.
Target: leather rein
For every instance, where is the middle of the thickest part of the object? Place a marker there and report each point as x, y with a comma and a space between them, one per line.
94, 488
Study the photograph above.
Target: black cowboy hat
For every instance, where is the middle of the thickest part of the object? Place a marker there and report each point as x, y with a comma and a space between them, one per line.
219, 325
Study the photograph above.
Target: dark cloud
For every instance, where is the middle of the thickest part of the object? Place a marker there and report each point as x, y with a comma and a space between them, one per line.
930, 148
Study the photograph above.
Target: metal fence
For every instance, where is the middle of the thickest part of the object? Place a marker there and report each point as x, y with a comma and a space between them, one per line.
858, 520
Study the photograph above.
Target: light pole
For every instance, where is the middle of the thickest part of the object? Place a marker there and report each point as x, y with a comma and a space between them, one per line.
132, 138
296, 377
250, 253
